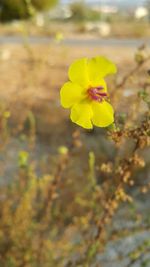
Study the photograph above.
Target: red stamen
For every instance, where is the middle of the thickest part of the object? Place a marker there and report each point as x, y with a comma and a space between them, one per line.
96, 94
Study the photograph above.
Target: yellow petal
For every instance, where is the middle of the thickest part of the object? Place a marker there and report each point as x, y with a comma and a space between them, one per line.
99, 82
78, 72
99, 67
103, 114
81, 114
70, 93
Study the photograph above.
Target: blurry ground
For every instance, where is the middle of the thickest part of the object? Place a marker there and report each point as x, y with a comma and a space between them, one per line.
78, 29
30, 80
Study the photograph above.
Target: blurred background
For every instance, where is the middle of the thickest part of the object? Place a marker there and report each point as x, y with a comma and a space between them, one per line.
71, 197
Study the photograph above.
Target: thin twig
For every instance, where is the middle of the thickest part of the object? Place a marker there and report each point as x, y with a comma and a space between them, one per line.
131, 73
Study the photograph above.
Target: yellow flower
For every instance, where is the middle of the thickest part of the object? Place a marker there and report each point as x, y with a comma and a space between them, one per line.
86, 92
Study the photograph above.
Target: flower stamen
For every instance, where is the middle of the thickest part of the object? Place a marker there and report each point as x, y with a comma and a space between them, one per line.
95, 93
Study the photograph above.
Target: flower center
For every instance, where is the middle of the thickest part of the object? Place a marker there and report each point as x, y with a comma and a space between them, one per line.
97, 94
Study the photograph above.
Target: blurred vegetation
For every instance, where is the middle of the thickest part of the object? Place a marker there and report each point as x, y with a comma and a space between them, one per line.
80, 19
147, 4
57, 209
82, 12
22, 9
